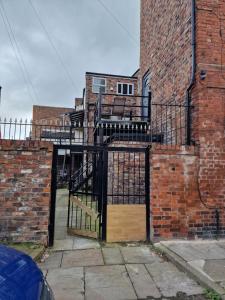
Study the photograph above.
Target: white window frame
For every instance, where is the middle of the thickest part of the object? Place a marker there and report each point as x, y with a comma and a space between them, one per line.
128, 85
98, 85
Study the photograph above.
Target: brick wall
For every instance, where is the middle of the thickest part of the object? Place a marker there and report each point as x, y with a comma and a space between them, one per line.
50, 115
165, 47
208, 98
166, 55
48, 122
176, 208
25, 182
166, 52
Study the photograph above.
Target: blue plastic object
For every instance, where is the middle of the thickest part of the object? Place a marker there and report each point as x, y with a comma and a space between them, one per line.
20, 278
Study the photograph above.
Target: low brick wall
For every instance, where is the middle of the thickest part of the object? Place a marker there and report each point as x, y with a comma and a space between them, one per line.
178, 206
25, 187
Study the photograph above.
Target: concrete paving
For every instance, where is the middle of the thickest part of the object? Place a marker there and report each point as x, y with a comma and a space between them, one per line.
116, 273
205, 259
79, 268
89, 257
67, 284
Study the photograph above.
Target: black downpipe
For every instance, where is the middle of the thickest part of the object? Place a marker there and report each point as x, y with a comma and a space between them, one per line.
217, 214
192, 82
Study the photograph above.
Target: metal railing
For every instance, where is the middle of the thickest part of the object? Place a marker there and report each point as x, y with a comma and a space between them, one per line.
113, 107
168, 123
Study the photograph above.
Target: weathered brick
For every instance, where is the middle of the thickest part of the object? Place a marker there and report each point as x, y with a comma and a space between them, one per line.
24, 212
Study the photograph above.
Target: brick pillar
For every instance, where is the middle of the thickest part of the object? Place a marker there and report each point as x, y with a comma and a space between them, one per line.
208, 97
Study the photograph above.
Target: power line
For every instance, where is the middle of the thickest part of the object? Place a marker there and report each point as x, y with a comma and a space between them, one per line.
132, 38
53, 45
17, 52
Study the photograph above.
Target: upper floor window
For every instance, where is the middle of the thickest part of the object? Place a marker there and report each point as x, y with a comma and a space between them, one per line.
97, 84
125, 88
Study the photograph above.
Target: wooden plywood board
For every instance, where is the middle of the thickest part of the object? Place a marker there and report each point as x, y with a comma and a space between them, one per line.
126, 223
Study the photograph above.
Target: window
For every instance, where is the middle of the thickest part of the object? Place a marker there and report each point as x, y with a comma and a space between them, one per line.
125, 89
97, 84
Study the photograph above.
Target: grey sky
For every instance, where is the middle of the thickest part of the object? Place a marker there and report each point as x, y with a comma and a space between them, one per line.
86, 37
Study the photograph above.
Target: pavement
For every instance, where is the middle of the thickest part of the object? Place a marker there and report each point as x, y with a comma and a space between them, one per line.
204, 260
81, 269
115, 272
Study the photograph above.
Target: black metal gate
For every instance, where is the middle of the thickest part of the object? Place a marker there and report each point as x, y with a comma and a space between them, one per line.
128, 184
97, 176
85, 193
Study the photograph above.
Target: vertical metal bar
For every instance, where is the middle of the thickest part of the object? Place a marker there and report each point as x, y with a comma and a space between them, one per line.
118, 178
147, 191
51, 225
139, 177
70, 184
100, 104
112, 184
123, 181
68, 212
104, 193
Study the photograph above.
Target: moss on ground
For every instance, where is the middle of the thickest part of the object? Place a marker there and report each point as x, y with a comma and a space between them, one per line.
32, 249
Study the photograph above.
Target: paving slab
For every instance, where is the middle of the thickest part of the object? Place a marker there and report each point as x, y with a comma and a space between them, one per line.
79, 258
142, 281
61, 234
65, 244
196, 250
112, 256
84, 243
67, 284
170, 280
53, 261
138, 255
215, 269
199, 266
108, 283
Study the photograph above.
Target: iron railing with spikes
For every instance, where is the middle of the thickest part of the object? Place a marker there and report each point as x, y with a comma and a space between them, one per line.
168, 123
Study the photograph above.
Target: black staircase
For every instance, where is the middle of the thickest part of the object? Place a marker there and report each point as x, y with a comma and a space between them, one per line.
81, 176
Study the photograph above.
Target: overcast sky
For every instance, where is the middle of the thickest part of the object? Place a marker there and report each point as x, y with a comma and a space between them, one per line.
81, 36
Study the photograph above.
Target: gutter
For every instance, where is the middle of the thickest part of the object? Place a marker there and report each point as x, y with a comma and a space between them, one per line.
192, 81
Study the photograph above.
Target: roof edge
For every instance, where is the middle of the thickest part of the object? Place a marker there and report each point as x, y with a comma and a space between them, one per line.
111, 75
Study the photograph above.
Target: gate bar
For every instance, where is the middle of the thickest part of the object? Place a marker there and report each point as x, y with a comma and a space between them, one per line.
147, 191
104, 193
51, 226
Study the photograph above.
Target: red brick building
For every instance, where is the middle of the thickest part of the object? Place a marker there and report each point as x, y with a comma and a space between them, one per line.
174, 103
182, 60
110, 84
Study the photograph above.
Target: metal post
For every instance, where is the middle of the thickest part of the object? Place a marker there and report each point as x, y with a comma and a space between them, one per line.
0, 95
100, 104
51, 225
147, 191
104, 193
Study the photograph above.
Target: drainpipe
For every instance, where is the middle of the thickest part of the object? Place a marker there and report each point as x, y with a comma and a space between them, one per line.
192, 82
